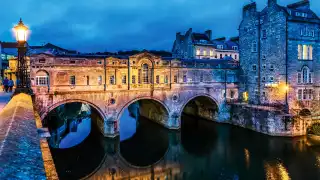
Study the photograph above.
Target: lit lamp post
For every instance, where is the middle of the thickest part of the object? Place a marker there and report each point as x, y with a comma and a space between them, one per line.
23, 83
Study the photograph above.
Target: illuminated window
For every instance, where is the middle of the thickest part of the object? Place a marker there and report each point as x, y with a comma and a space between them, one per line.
157, 79
99, 80
175, 79
300, 51
204, 52
305, 52
72, 80
145, 73
124, 79
139, 76
211, 53
198, 52
310, 51
133, 79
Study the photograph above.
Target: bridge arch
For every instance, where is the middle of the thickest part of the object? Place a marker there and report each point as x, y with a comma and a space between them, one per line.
52, 107
126, 105
190, 99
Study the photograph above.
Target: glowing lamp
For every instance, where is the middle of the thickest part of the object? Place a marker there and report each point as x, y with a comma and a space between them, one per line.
21, 31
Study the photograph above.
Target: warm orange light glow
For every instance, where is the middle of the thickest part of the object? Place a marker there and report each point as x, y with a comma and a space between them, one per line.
21, 32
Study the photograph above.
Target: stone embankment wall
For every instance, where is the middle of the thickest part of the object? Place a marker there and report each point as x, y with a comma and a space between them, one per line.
21, 150
267, 120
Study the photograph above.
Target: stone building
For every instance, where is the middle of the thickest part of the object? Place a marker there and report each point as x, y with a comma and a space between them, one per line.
201, 46
279, 51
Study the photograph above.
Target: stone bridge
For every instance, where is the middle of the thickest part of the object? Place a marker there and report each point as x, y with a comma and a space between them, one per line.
111, 84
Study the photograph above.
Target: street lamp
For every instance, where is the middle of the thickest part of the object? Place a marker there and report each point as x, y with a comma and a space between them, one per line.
21, 33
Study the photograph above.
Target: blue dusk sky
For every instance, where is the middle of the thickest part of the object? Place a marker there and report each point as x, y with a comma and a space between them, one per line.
112, 25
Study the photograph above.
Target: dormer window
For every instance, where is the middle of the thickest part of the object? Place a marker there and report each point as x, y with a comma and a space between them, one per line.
220, 46
235, 48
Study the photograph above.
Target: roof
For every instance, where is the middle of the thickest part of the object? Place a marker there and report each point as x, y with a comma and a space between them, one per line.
9, 44
299, 4
200, 36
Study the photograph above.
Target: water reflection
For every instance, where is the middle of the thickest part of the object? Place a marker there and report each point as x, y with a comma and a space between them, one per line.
201, 150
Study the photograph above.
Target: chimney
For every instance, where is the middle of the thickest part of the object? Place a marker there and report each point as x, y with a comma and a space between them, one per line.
209, 34
178, 35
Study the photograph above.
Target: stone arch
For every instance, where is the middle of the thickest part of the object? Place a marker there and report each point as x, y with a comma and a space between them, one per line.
198, 95
52, 107
119, 114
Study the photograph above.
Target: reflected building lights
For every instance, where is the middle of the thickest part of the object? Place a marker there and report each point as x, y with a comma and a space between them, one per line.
247, 157
275, 171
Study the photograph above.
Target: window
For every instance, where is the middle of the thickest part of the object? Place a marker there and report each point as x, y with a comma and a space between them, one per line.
220, 46
300, 51
198, 52
299, 94
271, 79
145, 73
204, 52
231, 94
310, 93
264, 57
157, 79
112, 80
99, 80
184, 78
133, 79
306, 75
166, 79
211, 53
139, 76
254, 67
88, 80
72, 80
264, 34
254, 46
99, 62
124, 79
305, 94
305, 52
263, 66
201, 77
299, 78
175, 79
220, 56
72, 62
42, 80
310, 78
310, 51
216, 56
235, 56
235, 48
271, 67
263, 79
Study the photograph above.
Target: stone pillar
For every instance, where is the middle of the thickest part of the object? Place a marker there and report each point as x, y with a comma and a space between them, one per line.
173, 121
111, 128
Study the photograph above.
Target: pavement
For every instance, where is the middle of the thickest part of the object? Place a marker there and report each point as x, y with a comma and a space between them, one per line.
4, 99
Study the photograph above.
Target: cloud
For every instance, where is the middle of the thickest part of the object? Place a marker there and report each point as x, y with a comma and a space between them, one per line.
98, 25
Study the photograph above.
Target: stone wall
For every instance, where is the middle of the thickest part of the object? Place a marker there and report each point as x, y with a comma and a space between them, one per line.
267, 120
21, 155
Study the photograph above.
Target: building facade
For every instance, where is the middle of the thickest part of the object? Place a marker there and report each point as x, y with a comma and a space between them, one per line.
201, 46
279, 51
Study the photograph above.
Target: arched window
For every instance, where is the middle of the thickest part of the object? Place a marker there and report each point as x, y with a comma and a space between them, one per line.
306, 75
145, 73
42, 78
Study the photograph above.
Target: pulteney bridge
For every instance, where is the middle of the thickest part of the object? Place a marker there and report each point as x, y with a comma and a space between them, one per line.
164, 86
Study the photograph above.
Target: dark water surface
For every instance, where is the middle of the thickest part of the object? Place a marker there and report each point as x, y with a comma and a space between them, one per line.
201, 150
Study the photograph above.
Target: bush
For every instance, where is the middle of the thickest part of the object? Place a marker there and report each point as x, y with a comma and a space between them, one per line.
315, 129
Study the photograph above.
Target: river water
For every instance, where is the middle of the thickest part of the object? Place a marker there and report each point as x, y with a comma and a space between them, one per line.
200, 150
